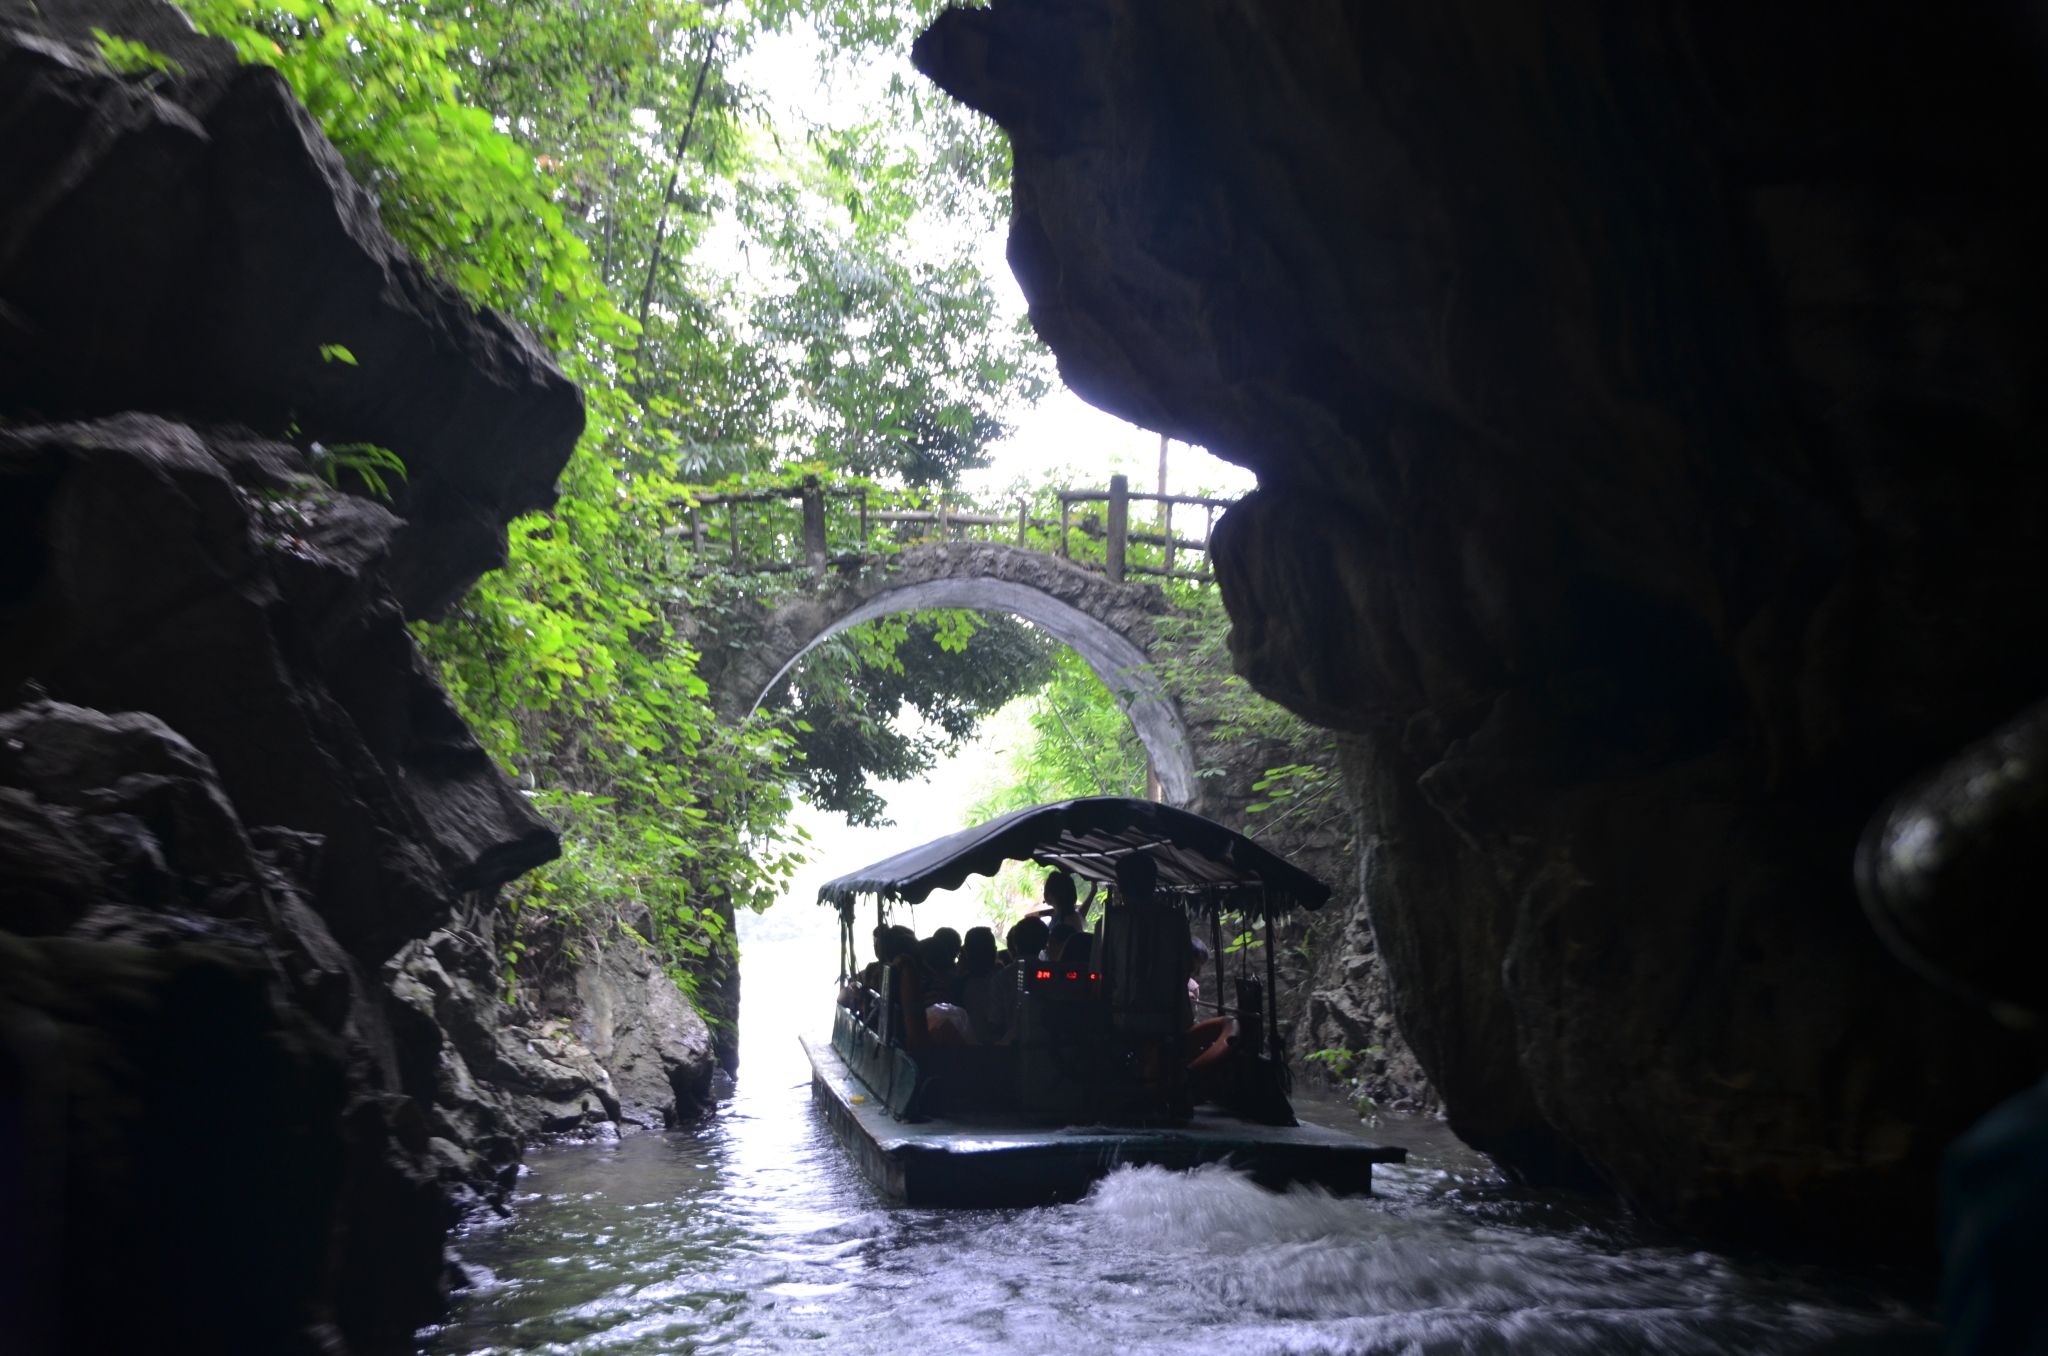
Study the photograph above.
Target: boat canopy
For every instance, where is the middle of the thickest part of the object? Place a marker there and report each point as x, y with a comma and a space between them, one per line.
1199, 860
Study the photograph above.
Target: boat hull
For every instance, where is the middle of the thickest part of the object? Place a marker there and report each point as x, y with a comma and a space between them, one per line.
992, 1161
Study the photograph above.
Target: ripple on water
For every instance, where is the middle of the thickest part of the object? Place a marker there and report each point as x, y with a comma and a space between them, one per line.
755, 1234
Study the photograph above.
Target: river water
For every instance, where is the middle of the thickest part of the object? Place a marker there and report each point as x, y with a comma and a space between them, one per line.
756, 1234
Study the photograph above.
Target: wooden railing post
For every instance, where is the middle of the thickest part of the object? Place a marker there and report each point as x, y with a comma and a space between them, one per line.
814, 525
1166, 524
863, 521
696, 530
732, 528
1065, 506
1119, 524
1023, 520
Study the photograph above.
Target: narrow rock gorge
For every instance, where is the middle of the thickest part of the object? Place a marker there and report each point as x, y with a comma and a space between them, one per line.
1646, 403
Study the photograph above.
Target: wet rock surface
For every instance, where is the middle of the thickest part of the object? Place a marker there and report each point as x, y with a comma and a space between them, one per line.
600, 1045
642, 1029
231, 793
196, 1083
1644, 403
1949, 877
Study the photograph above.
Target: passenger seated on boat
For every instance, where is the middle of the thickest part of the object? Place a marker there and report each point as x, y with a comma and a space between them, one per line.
977, 978
906, 1001
935, 967
1027, 938
944, 961
1077, 952
1209, 1044
1056, 939
854, 986
889, 943
880, 978
978, 953
923, 997
1208, 1041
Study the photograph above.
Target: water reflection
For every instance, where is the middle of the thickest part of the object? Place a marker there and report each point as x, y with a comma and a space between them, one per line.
757, 1235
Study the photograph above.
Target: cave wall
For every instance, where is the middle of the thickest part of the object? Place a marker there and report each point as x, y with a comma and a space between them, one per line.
235, 805
1646, 403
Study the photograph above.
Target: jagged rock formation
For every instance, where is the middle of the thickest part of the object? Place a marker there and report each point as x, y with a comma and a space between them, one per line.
196, 1076
221, 227
1645, 401
1948, 873
231, 795
595, 1046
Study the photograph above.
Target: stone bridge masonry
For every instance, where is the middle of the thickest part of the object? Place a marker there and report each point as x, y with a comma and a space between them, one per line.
1108, 623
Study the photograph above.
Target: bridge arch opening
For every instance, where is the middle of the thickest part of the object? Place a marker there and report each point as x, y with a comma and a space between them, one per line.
1120, 664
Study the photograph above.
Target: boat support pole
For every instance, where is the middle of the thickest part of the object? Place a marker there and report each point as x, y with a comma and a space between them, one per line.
1216, 953
1272, 982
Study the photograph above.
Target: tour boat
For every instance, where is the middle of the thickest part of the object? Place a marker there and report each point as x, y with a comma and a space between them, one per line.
1092, 1070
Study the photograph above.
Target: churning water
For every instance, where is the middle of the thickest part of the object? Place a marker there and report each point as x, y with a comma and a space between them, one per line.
755, 1234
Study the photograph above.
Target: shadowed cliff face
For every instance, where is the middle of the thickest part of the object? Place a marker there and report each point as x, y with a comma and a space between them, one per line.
230, 789
1646, 404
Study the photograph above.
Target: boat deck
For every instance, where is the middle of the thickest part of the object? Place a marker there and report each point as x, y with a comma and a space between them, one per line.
995, 1161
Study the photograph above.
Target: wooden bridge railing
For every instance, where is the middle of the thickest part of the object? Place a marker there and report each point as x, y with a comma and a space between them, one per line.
752, 531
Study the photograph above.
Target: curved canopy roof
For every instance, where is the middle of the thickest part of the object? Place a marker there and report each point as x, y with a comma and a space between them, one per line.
1198, 859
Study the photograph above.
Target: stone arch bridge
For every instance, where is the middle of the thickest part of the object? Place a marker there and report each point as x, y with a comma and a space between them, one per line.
1108, 622
828, 535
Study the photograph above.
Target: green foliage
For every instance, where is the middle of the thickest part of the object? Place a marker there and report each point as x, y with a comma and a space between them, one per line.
574, 166
950, 668
647, 870
368, 463
1069, 738
1193, 658
1080, 744
125, 56
901, 368
383, 81
1346, 1068
1300, 799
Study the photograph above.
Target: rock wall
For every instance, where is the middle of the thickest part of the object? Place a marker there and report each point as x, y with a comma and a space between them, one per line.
1334, 1009
253, 1057
588, 1046
1645, 401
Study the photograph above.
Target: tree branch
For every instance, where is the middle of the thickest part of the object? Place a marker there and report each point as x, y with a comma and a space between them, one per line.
675, 175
